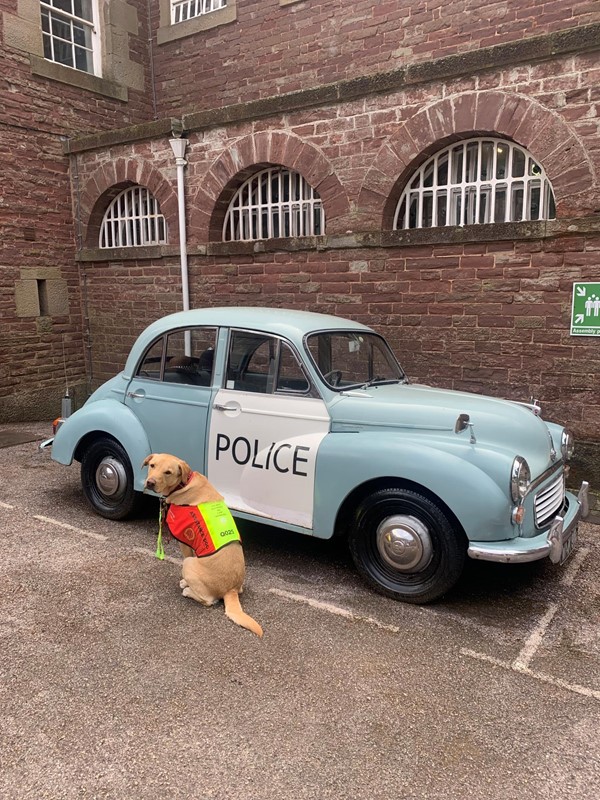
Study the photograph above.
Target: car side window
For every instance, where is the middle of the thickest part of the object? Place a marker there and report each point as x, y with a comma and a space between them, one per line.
251, 362
150, 366
261, 363
290, 377
184, 356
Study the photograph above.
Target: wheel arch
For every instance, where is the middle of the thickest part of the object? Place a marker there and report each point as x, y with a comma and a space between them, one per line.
104, 419
347, 511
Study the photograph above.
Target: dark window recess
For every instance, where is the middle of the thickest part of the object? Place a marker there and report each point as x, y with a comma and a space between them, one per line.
42, 291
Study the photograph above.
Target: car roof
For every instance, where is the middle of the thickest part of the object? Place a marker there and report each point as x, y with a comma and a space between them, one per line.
282, 321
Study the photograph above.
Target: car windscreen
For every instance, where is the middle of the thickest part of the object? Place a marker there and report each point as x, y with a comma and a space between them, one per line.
351, 359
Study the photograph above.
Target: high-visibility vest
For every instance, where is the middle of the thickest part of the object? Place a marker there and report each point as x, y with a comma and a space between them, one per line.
205, 528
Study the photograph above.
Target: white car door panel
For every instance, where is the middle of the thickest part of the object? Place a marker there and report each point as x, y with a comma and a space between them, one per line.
263, 450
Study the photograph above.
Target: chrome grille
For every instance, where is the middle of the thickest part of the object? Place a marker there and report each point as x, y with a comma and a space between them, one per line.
549, 500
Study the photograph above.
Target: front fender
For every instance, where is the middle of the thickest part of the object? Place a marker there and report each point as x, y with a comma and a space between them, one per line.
349, 460
108, 417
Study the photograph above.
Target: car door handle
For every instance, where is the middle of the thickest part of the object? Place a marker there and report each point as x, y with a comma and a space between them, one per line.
227, 407
139, 395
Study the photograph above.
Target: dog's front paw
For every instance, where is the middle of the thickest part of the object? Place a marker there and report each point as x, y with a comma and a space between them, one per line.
187, 592
183, 583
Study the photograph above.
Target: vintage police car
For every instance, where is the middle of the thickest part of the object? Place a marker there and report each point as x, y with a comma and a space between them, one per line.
307, 422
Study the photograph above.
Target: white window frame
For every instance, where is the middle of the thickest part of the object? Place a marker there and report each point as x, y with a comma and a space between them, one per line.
274, 203
471, 182
73, 20
182, 10
133, 219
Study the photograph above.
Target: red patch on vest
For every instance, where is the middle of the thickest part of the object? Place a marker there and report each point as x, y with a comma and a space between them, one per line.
187, 525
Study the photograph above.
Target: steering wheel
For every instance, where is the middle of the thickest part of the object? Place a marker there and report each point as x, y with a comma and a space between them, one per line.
333, 377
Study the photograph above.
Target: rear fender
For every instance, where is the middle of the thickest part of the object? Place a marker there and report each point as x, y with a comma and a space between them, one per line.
103, 418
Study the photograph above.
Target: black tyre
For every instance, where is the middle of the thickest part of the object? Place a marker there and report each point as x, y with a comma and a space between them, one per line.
107, 479
405, 547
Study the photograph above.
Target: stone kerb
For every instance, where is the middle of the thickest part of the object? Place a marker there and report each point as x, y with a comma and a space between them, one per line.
217, 186
541, 131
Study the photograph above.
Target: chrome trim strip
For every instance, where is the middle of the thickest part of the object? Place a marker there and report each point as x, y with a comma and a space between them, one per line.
544, 476
46, 443
583, 500
507, 556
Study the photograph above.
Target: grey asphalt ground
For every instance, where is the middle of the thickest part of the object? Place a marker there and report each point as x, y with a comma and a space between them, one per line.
115, 686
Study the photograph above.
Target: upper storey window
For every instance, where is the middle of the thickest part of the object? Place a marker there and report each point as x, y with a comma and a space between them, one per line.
476, 181
69, 34
271, 204
187, 9
133, 219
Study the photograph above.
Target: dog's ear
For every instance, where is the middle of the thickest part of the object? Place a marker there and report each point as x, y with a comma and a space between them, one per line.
147, 460
185, 470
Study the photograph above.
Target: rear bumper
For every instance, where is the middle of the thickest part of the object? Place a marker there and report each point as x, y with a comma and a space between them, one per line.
546, 545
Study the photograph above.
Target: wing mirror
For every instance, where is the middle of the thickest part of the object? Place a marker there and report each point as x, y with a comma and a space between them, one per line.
463, 421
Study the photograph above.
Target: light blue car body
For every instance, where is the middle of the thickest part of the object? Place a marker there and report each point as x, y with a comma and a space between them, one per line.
387, 435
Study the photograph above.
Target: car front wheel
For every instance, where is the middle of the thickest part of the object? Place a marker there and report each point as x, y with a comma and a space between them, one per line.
405, 546
107, 479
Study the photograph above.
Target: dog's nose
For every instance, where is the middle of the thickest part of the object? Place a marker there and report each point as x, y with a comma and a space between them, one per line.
150, 483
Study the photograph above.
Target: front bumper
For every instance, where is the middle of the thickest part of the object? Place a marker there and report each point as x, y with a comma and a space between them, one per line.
549, 544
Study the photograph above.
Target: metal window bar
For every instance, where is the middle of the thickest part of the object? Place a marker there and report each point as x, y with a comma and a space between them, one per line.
272, 204
182, 10
471, 198
133, 219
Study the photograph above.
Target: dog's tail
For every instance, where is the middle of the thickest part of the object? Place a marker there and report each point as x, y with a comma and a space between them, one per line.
234, 611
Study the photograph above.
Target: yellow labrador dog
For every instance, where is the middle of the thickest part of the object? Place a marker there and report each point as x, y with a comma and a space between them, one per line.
213, 564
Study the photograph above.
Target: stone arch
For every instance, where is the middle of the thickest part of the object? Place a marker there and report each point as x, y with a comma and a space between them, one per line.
544, 133
254, 152
105, 183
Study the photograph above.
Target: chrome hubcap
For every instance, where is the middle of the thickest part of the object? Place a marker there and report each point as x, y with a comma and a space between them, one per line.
111, 478
404, 543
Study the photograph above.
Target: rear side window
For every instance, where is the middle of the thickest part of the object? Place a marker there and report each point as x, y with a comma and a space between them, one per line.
184, 356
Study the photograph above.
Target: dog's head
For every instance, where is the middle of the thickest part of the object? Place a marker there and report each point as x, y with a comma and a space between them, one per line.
165, 473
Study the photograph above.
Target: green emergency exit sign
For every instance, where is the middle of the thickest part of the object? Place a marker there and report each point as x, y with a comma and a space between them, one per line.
585, 311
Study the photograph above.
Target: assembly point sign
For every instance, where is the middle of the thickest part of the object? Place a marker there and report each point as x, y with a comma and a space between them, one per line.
585, 311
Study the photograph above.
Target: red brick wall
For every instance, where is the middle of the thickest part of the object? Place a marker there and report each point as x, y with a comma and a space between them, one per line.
483, 317
273, 49
36, 219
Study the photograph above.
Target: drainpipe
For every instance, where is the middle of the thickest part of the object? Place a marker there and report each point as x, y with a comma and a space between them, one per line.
178, 146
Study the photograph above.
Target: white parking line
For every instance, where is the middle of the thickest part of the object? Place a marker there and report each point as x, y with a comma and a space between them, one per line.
515, 667
571, 571
5, 505
100, 537
336, 610
534, 640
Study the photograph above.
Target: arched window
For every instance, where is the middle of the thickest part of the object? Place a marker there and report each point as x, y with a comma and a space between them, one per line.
476, 181
272, 204
133, 219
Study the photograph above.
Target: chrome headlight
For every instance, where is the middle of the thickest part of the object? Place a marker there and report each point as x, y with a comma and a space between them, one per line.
520, 478
567, 444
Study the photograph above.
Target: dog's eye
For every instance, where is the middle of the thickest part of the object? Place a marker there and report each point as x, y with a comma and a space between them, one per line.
168, 472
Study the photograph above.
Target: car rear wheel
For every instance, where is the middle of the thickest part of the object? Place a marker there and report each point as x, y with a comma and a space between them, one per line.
107, 479
405, 546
